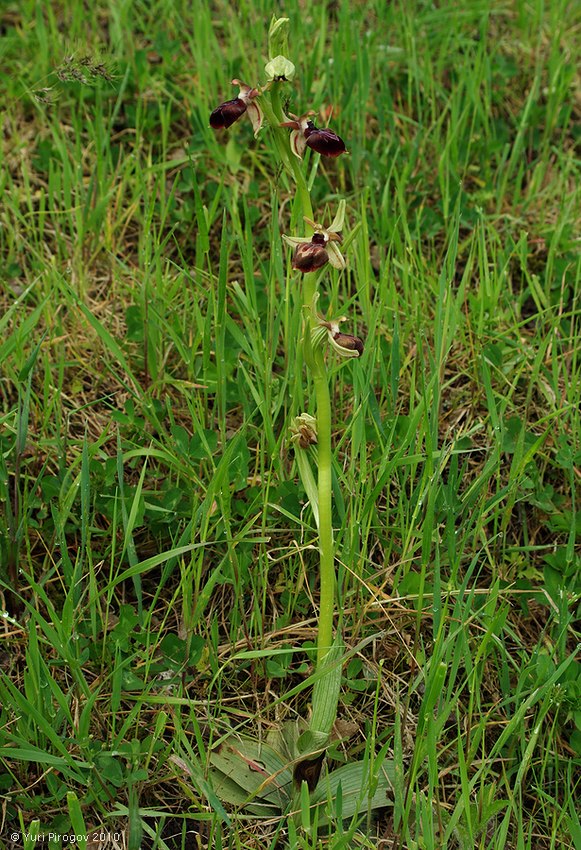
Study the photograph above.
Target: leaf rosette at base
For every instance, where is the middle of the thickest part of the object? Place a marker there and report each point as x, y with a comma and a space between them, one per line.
265, 778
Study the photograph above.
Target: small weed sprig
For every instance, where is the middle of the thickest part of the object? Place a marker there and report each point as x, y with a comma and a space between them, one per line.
295, 756
83, 68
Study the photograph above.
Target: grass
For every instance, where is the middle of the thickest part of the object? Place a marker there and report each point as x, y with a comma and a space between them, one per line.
157, 550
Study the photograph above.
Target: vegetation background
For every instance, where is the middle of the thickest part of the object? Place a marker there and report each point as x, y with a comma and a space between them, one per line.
157, 551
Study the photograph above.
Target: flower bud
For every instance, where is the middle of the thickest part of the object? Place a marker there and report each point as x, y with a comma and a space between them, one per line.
304, 430
279, 68
278, 37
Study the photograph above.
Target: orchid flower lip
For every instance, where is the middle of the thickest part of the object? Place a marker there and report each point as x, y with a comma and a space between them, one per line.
305, 134
227, 113
310, 256
231, 110
347, 345
352, 344
313, 252
325, 142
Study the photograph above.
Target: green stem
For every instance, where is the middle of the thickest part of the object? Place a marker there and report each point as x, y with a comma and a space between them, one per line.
316, 362
280, 135
326, 544
275, 115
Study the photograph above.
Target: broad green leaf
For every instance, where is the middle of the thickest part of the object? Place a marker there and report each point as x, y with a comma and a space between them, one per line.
256, 768
326, 690
356, 795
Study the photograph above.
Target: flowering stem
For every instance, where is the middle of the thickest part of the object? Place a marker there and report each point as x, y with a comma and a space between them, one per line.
316, 363
271, 109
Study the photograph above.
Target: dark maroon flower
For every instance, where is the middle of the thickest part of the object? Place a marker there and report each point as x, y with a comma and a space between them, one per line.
227, 113
324, 141
304, 133
230, 111
313, 252
310, 256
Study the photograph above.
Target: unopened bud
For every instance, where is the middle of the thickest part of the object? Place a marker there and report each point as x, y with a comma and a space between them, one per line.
279, 68
304, 430
278, 37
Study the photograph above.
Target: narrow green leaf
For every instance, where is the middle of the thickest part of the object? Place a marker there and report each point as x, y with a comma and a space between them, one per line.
79, 828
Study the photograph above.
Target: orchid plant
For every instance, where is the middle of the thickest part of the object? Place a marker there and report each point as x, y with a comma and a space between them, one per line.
287, 771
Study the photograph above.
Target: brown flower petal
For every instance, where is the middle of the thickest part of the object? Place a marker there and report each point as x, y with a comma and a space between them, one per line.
310, 256
227, 113
307, 436
350, 342
324, 141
